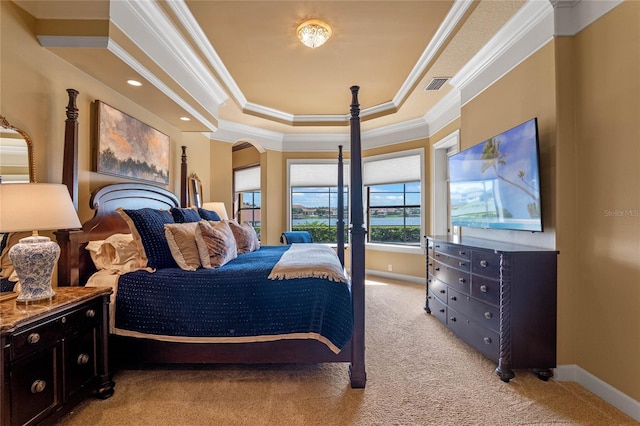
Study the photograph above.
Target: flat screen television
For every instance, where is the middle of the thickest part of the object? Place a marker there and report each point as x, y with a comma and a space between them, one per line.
496, 183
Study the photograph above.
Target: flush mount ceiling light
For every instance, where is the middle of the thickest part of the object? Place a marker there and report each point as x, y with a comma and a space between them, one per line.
313, 33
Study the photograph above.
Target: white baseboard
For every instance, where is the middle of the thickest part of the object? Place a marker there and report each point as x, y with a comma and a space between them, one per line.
623, 402
400, 277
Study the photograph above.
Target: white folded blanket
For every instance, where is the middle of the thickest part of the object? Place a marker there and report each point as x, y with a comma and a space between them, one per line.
309, 261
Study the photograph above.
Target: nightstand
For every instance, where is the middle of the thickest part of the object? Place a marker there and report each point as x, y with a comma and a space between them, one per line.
53, 354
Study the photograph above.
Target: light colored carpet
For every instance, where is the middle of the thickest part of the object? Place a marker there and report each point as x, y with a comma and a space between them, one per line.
418, 374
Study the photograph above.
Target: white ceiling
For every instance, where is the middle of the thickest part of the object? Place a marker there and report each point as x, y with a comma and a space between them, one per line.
238, 64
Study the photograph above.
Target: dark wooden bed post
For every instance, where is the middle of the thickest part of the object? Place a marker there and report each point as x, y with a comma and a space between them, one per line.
183, 178
340, 222
68, 239
357, 368
70, 158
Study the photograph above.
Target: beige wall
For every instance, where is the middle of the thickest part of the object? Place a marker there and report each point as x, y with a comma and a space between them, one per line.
607, 147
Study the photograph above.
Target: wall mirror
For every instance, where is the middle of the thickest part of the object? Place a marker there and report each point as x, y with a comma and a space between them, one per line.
195, 191
16, 166
16, 154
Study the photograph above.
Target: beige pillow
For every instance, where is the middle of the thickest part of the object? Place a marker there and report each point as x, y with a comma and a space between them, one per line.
119, 254
216, 244
182, 243
246, 237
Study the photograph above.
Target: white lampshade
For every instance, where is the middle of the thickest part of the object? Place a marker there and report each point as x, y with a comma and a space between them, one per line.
218, 207
35, 207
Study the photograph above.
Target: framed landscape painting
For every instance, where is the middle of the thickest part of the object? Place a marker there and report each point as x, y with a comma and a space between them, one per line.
128, 148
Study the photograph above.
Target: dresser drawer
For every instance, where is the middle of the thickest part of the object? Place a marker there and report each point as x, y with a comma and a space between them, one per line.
455, 278
485, 263
437, 307
33, 380
483, 339
438, 288
454, 250
80, 360
452, 261
82, 319
36, 338
482, 313
485, 289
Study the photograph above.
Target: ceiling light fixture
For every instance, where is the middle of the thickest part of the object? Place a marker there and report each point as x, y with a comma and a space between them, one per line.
313, 33
134, 83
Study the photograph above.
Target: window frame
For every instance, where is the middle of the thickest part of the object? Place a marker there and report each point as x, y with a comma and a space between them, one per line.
395, 247
347, 188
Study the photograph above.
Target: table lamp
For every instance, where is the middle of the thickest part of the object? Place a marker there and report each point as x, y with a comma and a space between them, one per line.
218, 207
35, 207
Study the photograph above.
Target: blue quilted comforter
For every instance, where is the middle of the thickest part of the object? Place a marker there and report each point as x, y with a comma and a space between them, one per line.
235, 302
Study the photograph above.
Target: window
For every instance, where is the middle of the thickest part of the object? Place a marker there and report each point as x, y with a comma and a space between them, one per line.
394, 199
314, 199
247, 196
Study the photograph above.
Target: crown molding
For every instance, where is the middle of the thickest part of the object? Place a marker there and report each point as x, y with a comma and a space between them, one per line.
187, 20
146, 24
447, 27
527, 31
89, 42
572, 16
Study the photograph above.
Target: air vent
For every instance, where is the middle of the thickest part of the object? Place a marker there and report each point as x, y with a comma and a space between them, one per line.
436, 83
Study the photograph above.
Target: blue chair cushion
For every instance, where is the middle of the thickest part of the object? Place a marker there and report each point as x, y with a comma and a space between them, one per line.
291, 237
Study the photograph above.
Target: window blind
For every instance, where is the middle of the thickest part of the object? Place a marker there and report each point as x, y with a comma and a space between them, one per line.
392, 170
247, 180
316, 174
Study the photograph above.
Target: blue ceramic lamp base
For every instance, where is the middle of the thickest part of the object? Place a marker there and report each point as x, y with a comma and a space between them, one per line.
34, 259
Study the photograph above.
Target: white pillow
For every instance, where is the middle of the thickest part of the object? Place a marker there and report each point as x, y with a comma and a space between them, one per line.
118, 254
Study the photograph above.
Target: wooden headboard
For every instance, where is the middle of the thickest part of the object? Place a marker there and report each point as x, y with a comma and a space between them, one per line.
77, 267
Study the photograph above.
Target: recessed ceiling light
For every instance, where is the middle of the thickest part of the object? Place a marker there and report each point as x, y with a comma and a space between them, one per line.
134, 83
185, 119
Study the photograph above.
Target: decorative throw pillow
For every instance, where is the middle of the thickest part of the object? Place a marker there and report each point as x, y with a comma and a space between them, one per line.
147, 228
216, 244
185, 215
119, 254
246, 237
182, 243
208, 214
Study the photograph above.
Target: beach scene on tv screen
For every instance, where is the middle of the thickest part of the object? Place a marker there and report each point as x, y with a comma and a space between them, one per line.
496, 184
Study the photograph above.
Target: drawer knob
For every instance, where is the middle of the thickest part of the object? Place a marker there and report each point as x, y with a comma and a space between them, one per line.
90, 313
443, 291
437, 245
487, 340
454, 298
462, 252
442, 310
453, 319
437, 268
33, 338
38, 386
488, 315
83, 359
461, 280
483, 288
462, 264
484, 263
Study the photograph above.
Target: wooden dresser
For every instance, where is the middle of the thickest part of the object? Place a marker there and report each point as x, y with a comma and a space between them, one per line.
53, 354
500, 298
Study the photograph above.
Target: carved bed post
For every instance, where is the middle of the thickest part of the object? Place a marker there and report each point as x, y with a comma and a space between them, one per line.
183, 178
340, 222
68, 239
357, 368
70, 159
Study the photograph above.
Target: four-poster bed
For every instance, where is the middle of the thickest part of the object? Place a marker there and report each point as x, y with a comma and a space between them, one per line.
76, 266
